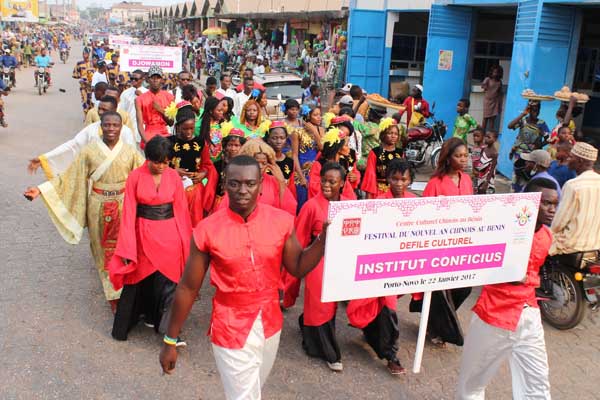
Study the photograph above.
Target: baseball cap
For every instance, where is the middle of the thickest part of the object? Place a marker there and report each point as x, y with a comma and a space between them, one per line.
420, 87
540, 157
101, 64
155, 70
346, 100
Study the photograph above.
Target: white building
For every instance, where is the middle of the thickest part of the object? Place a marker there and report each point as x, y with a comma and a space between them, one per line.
129, 12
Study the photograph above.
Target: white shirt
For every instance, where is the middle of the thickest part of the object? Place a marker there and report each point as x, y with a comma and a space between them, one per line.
127, 104
62, 156
238, 102
228, 92
98, 77
259, 69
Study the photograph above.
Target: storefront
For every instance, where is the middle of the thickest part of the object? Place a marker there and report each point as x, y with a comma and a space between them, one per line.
537, 42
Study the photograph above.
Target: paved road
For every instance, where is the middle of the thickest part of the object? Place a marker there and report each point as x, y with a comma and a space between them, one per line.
55, 325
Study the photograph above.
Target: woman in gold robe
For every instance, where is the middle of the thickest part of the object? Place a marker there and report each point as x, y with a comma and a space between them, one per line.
90, 193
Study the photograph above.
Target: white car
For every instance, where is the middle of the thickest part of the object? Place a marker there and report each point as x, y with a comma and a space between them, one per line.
280, 86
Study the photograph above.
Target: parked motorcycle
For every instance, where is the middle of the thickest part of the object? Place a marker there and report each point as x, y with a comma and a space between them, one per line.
64, 55
425, 141
7, 76
41, 81
567, 282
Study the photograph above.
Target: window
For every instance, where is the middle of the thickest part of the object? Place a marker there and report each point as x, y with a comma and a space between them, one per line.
408, 49
486, 54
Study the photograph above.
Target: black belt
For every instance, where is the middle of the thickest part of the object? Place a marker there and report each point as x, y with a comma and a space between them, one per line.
155, 213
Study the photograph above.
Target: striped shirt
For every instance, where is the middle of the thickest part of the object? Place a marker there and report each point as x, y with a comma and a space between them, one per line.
576, 225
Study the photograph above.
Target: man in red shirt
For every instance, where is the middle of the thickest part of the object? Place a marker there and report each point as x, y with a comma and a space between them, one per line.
150, 107
507, 321
248, 73
415, 103
246, 243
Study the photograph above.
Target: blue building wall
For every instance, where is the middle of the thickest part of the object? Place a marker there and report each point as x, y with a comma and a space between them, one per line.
544, 55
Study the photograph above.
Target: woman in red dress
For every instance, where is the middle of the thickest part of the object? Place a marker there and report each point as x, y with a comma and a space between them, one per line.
449, 179
153, 242
334, 147
375, 177
377, 316
317, 322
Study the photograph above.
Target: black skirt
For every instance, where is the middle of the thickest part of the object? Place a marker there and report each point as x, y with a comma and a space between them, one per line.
151, 297
443, 321
382, 334
320, 341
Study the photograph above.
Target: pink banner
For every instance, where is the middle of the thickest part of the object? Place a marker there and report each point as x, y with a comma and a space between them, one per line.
148, 63
423, 262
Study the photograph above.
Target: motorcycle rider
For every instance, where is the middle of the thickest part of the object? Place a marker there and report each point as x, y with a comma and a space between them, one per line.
576, 226
9, 61
63, 46
43, 61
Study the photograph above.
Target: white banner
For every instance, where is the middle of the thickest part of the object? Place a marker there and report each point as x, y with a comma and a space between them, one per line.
142, 57
397, 246
119, 41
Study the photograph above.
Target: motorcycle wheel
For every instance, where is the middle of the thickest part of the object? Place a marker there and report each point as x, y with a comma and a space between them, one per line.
40, 88
435, 156
567, 308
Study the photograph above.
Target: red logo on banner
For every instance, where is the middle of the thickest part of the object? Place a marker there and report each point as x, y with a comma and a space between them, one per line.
351, 227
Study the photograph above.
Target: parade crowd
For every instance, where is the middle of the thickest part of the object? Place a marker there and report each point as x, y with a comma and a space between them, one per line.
162, 159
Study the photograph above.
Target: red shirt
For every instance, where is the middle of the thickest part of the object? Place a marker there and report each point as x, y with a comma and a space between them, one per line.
240, 87
444, 186
389, 195
246, 258
153, 122
501, 305
314, 182
409, 101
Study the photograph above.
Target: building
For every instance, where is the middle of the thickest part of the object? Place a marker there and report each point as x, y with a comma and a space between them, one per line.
129, 12
449, 45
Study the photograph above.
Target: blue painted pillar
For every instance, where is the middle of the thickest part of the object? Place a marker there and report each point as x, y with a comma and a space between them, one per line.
447, 59
542, 60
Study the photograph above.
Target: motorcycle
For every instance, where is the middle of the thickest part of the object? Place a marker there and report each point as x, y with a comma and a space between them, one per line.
64, 55
567, 282
425, 140
7, 76
41, 80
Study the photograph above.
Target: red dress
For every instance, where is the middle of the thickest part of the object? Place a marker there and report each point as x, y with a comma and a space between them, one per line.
444, 186
154, 123
151, 245
362, 311
270, 195
309, 224
314, 185
245, 257
374, 181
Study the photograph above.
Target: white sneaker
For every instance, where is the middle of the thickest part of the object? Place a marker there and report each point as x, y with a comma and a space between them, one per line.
336, 366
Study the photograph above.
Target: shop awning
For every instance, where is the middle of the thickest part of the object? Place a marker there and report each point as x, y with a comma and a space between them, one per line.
308, 15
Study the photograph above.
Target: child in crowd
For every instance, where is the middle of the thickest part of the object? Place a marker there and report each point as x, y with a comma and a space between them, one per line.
564, 134
475, 150
314, 99
564, 116
464, 123
492, 103
486, 166
559, 168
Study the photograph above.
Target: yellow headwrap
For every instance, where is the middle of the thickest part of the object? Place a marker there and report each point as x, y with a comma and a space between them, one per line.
327, 117
332, 136
386, 123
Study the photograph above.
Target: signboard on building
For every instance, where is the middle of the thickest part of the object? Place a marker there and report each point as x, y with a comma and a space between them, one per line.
445, 60
19, 10
397, 246
142, 57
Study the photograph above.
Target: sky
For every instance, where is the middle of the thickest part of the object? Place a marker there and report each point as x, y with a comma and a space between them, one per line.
108, 3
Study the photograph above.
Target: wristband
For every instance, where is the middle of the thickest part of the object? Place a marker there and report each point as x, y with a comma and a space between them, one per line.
170, 341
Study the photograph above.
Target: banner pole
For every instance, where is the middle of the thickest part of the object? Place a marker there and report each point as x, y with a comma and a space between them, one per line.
422, 332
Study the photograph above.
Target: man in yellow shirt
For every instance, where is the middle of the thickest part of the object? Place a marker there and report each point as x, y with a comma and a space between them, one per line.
576, 225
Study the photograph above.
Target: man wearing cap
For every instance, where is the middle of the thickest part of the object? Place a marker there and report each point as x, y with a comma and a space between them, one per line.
576, 226
9, 61
150, 107
416, 107
538, 162
100, 74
